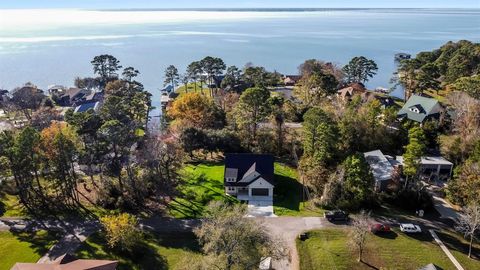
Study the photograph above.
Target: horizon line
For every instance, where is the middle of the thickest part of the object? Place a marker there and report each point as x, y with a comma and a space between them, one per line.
246, 8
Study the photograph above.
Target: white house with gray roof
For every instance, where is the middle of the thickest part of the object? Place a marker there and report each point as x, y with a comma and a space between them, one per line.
249, 177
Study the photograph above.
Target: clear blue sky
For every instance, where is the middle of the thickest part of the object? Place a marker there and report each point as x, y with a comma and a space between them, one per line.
238, 3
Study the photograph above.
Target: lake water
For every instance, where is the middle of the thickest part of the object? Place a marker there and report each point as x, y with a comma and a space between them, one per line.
53, 46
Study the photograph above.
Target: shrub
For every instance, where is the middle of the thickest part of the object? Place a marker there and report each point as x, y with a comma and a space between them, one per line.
121, 231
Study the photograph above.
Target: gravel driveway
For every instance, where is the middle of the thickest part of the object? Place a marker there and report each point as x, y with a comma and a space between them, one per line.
288, 229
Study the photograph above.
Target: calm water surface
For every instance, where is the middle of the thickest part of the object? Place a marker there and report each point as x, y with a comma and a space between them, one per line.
52, 47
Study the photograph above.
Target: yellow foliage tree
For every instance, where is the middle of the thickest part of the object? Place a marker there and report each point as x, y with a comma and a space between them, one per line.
121, 230
194, 109
49, 134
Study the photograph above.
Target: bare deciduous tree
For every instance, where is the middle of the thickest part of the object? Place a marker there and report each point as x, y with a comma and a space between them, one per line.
358, 234
469, 223
232, 241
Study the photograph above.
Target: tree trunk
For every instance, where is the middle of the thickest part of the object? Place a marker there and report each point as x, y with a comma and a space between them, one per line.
470, 247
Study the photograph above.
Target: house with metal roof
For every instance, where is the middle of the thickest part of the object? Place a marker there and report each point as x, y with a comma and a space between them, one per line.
419, 109
433, 166
381, 168
249, 176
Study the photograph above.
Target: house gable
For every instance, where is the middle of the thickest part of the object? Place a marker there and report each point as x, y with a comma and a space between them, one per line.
260, 183
248, 168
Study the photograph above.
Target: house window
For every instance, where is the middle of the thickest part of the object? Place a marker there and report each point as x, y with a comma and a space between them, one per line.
415, 110
231, 189
230, 179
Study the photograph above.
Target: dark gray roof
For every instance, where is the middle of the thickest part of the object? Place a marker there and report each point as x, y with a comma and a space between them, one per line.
426, 107
248, 163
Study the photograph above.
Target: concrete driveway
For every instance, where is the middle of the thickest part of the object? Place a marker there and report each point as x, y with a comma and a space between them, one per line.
260, 208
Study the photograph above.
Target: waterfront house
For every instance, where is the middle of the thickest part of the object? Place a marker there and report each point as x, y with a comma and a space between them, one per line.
94, 105
348, 92
72, 96
249, 176
420, 109
291, 80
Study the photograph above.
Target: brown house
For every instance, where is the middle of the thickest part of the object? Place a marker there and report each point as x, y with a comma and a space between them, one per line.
291, 80
68, 262
353, 89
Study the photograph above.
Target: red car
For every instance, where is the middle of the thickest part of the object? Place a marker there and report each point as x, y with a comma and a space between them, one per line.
379, 228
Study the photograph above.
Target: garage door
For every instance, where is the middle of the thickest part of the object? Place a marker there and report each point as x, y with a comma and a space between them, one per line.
259, 191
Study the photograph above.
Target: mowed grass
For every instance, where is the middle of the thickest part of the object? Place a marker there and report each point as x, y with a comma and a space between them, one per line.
330, 249
157, 252
288, 199
203, 183
10, 206
23, 247
191, 88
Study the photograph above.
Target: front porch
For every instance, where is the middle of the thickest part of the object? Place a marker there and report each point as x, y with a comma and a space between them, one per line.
251, 194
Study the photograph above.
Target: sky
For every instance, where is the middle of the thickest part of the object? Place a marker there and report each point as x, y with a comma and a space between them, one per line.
112, 4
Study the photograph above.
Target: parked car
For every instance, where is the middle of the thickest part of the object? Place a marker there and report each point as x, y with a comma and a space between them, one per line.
336, 215
410, 228
379, 228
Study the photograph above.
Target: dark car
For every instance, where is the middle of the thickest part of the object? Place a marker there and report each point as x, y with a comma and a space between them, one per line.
336, 215
379, 228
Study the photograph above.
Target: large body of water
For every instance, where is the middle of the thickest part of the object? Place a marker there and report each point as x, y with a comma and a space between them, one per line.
53, 46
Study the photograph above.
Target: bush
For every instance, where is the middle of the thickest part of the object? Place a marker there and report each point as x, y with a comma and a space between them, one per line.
122, 231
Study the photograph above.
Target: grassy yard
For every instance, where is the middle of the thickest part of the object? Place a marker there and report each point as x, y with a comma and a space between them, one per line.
23, 247
287, 200
191, 88
204, 183
329, 249
10, 206
157, 252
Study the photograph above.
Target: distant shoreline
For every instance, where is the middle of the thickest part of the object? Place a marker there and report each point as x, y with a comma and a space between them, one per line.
288, 9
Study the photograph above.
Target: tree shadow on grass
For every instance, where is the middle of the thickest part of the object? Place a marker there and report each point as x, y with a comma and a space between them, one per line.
40, 241
287, 193
2, 207
387, 235
143, 256
186, 241
455, 243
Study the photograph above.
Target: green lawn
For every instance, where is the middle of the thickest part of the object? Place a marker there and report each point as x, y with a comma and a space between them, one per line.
10, 206
191, 88
288, 199
204, 183
329, 249
157, 251
23, 247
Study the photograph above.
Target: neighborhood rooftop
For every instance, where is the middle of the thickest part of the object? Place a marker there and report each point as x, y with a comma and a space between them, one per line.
419, 109
381, 167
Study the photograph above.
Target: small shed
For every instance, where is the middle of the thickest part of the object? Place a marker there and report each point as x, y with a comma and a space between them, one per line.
265, 263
